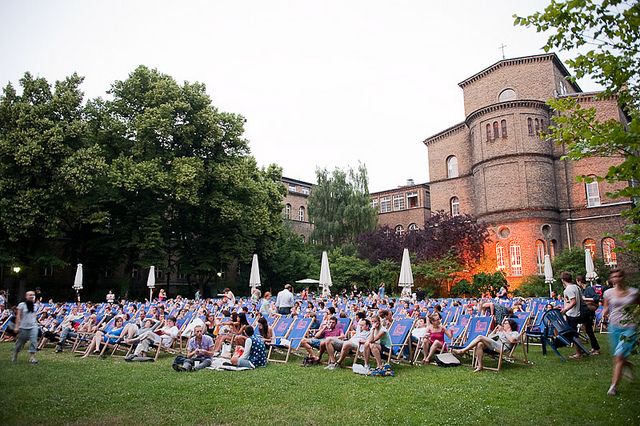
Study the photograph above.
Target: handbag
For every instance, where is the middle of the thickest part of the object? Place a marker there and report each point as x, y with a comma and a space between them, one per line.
447, 360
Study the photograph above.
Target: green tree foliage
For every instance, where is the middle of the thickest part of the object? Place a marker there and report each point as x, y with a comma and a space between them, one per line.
607, 36
339, 206
534, 286
482, 283
433, 274
572, 260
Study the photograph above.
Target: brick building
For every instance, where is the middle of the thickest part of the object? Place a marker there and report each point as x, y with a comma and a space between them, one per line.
295, 206
403, 208
495, 165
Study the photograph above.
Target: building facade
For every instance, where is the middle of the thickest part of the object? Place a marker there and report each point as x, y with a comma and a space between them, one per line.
404, 208
295, 202
497, 166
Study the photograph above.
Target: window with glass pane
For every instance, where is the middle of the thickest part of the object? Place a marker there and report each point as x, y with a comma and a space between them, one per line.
287, 211
301, 214
516, 259
455, 206
398, 202
452, 167
412, 199
609, 256
413, 227
503, 124
385, 204
590, 244
374, 203
399, 230
500, 263
593, 194
540, 252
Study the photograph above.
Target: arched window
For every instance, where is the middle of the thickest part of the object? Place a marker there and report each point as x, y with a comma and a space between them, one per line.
488, 132
500, 261
452, 167
516, 259
540, 252
590, 244
507, 95
530, 126
399, 230
301, 214
287, 211
552, 249
455, 206
537, 127
496, 131
503, 124
413, 227
593, 193
608, 255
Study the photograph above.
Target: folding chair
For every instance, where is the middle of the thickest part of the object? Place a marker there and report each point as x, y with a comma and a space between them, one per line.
558, 333
400, 332
280, 333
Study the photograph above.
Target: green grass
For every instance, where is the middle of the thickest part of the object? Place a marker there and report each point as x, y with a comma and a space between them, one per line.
63, 389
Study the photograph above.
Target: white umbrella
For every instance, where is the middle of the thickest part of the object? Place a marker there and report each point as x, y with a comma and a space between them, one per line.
151, 281
77, 281
325, 275
548, 272
308, 281
254, 278
588, 263
406, 275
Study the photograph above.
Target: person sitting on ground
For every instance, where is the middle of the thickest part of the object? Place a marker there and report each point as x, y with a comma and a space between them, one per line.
164, 336
378, 343
434, 339
360, 337
199, 352
503, 336
254, 353
265, 331
101, 336
329, 329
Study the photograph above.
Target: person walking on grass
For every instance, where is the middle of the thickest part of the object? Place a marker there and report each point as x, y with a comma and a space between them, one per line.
622, 329
26, 327
588, 308
571, 309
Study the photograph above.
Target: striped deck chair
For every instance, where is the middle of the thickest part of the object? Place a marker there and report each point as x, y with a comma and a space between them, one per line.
280, 333
400, 333
477, 326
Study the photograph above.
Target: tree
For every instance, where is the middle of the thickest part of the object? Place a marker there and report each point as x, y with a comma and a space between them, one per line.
339, 206
607, 34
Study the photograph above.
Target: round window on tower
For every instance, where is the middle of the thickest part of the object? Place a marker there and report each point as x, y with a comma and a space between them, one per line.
507, 95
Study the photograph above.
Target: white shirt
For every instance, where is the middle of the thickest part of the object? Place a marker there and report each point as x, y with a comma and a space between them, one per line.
285, 299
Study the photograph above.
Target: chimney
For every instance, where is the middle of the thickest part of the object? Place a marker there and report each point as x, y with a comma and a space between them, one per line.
410, 182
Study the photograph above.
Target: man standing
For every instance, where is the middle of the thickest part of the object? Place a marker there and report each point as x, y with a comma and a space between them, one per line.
381, 291
26, 326
571, 309
590, 304
285, 301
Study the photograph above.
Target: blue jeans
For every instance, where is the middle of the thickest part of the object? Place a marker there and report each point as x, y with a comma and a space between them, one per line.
245, 363
30, 334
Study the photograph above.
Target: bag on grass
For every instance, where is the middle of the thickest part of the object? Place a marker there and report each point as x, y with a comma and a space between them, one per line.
447, 360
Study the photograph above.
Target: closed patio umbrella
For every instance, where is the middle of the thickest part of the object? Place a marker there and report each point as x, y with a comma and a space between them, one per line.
406, 275
77, 281
325, 275
254, 278
548, 272
151, 281
588, 263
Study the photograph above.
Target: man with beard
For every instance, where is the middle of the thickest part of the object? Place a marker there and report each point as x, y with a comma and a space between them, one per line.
27, 327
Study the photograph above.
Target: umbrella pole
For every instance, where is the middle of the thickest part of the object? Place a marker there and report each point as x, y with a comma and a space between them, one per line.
150, 295
550, 292
78, 295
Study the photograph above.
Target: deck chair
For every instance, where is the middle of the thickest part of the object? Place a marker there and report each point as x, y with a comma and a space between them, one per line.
506, 354
298, 331
400, 334
280, 333
477, 326
557, 333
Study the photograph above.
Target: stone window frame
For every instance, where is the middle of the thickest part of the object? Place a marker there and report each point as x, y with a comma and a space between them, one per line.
399, 202
452, 162
541, 251
515, 258
590, 244
287, 211
530, 126
592, 192
413, 194
503, 126
608, 252
301, 213
488, 129
385, 204
507, 90
500, 263
496, 130
399, 230
413, 227
454, 206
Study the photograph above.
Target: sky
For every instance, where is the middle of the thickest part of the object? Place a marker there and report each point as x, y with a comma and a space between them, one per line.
321, 83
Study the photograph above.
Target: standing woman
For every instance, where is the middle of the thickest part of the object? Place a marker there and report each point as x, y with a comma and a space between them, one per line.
622, 331
26, 326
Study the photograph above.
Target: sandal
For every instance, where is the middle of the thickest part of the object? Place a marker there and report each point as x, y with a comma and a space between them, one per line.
575, 356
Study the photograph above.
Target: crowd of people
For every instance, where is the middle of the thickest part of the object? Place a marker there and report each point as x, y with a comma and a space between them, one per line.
241, 330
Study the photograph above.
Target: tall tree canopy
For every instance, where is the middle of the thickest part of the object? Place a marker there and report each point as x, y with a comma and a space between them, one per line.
606, 35
339, 206
154, 175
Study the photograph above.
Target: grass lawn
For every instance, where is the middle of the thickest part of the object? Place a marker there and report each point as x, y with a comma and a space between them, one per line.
63, 389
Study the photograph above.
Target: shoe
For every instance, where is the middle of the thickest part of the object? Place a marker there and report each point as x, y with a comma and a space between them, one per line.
613, 391
575, 356
186, 367
177, 367
129, 357
386, 367
331, 366
594, 352
58, 349
33, 361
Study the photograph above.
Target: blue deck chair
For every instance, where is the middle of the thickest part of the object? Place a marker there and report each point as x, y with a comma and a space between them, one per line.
298, 331
558, 333
399, 333
507, 355
477, 326
280, 332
